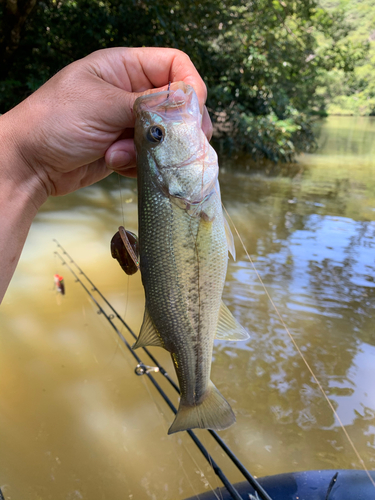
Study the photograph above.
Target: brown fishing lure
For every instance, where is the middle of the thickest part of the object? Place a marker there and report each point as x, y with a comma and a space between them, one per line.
124, 248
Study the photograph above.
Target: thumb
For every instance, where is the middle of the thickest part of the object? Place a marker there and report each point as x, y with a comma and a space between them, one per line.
128, 99
120, 156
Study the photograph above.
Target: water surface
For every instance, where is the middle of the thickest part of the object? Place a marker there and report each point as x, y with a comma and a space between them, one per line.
76, 423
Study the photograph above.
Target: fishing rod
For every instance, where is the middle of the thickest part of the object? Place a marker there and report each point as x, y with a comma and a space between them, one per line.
142, 369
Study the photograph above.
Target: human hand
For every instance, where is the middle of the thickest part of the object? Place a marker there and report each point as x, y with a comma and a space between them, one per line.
78, 126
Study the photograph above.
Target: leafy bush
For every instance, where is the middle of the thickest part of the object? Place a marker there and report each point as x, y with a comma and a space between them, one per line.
352, 93
261, 60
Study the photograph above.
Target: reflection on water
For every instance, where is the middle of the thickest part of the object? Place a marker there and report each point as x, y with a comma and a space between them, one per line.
75, 422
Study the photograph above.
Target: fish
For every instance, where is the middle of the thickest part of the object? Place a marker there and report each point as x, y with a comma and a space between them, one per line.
184, 241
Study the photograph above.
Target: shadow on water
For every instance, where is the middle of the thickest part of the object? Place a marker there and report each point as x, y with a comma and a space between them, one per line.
241, 162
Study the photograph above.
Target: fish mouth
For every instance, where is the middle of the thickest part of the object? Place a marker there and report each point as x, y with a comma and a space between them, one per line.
193, 208
179, 97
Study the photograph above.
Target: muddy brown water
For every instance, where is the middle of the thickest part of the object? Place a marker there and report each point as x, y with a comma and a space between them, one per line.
75, 421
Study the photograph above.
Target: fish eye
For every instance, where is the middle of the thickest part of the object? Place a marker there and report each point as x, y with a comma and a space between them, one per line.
155, 134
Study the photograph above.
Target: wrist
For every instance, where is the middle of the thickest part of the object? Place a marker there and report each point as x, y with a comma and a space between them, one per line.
21, 195
20, 182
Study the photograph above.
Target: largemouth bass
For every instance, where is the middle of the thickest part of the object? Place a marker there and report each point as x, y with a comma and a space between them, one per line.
183, 245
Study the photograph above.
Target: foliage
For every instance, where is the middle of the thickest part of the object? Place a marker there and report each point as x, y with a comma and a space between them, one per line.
260, 60
353, 93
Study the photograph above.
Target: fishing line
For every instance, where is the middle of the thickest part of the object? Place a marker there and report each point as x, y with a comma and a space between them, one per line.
165, 424
361, 461
204, 440
206, 145
196, 251
121, 200
119, 337
175, 440
127, 286
228, 485
201, 472
118, 343
89, 338
195, 241
110, 318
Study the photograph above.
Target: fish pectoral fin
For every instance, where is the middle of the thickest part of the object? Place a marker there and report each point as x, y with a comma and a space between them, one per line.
228, 328
230, 240
148, 336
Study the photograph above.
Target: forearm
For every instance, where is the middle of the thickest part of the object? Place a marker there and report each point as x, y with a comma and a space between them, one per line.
67, 134
20, 198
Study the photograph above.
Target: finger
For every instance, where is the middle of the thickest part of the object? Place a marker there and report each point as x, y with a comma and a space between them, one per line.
183, 69
81, 177
175, 86
161, 66
98, 170
92, 173
182, 85
128, 133
129, 172
141, 69
120, 155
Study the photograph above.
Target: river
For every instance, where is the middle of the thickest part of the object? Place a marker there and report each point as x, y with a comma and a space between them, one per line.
77, 423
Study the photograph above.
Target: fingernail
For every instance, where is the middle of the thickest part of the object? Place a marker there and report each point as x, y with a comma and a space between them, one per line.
119, 159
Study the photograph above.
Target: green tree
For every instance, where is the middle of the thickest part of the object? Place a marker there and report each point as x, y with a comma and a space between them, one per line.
352, 93
260, 60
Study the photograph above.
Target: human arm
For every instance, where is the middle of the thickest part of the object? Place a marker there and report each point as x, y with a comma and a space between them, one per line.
66, 135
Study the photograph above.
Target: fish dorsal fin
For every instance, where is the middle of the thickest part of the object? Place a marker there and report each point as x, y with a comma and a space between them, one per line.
148, 336
228, 328
230, 240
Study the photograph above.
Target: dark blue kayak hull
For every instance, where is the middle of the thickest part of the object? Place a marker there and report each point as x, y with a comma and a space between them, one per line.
308, 485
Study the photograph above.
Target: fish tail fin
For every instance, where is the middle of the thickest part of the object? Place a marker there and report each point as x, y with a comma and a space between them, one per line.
214, 412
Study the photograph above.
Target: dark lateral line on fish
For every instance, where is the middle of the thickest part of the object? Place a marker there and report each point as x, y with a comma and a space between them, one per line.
252, 481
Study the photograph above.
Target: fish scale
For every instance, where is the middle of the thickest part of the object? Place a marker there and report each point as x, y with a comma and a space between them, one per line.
183, 250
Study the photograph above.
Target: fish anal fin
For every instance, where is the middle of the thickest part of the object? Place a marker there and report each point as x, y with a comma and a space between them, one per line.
148, 336
213, 412
228, 328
